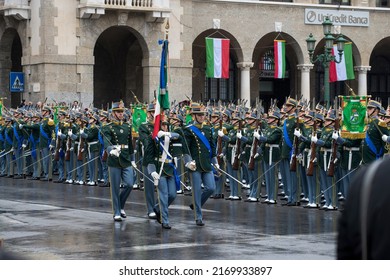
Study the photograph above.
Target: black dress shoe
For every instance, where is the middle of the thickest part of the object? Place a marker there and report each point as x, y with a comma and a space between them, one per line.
44, 179
105, 185
59, 181
9, 176
166, 226
3, 175
158, 216
18, 177
191, 206
199, 223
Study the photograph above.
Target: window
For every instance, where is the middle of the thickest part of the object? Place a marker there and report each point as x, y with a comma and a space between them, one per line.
221, 89
336, 2
383, 3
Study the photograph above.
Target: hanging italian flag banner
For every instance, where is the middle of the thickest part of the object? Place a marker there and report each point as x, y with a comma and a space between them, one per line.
354, 117
217, 58
280, 59
344, 70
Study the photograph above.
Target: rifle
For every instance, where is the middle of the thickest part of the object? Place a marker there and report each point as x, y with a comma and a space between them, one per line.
293, 161
219, 141
333, 159
80, 150
313, 147
68, 144
251, 162
57, 148
236, 161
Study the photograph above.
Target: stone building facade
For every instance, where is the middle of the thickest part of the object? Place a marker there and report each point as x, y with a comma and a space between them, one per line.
98, 51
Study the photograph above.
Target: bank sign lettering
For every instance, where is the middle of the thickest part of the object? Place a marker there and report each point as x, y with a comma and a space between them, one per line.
337, 17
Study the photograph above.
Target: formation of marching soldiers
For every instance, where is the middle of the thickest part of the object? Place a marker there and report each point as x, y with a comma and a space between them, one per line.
294, 155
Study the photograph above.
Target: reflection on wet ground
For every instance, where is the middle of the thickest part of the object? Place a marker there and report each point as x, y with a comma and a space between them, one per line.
43, 220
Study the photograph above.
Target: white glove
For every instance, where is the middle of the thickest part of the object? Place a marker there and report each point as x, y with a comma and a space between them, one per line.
155, 175
256, 134
314, 139
133, 164
335, 135
115, 152
59, 133
51, 147
191, 165
297, 132
216, 166
20, 126
162, 133
24, 146
70, 133
384, 138
239, 135
81, 131
220, 133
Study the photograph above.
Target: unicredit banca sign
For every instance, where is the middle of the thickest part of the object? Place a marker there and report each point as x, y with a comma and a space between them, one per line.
337, 17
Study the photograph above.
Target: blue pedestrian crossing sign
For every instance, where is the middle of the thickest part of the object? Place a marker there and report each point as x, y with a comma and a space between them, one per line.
16, 81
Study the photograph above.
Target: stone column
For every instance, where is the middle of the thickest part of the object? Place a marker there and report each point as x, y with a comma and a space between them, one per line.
305, 79
245, 79
362, 72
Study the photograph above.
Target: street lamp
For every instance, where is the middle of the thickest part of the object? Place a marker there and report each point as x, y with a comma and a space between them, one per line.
327, 56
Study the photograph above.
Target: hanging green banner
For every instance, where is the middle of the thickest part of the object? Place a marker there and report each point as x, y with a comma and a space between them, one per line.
354, 117
139, 116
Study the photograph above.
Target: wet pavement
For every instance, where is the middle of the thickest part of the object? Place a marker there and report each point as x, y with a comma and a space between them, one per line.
48, 221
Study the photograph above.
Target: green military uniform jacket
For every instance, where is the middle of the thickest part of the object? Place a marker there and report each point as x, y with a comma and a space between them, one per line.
119, 133
274, 137
288, 128
92, 132
195, 148
374, 132
350, 151
45, 138
145, 130
8, 136
325, 151
153, 156
20, 134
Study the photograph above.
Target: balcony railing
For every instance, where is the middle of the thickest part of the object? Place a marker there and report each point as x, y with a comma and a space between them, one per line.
153, 8
18, 9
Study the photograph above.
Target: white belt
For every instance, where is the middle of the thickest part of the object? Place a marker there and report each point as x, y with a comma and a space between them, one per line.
272, 145
177, 145
351, 149
121, 146
92, 143
165, 161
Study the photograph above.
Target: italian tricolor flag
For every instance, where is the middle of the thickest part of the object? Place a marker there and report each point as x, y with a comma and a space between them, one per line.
280, 59
217, 58
344, 70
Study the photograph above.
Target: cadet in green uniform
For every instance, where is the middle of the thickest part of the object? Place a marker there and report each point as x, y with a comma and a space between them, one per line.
159, 155
91, 134
289, 177
270, 141
119, 145
8, 148
199, 154
34, 127
46, 142
324, 144
373, 146
2, 144
145, 131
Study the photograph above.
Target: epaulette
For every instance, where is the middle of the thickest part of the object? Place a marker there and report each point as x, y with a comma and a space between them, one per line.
50, 122
301, 120
382, 124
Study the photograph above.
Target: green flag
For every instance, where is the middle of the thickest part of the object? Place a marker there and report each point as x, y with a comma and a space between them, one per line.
139, 116
354, 117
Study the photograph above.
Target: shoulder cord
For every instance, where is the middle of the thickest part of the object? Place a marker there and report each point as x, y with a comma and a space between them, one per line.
364, 200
